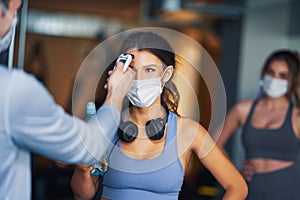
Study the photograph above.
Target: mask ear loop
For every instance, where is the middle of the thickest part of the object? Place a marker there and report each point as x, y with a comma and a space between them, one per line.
163, 83
260, 90
5, 12
12, 45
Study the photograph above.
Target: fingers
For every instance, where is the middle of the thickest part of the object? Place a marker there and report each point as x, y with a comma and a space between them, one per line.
110, 72
84, 167
119, 66
248, 171
247, 175
129, 74
107, 80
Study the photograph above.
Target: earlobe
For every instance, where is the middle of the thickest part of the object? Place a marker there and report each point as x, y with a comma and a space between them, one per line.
168, 73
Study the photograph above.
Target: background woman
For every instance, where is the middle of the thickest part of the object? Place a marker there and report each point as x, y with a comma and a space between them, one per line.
271, 128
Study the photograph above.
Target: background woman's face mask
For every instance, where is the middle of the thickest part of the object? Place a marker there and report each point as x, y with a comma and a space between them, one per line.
6, 40
274, 87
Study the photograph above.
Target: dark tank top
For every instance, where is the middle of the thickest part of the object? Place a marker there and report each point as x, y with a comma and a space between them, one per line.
280, 143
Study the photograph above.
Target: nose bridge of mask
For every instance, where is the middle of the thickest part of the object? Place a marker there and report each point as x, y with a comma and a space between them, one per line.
275, 81
138, 84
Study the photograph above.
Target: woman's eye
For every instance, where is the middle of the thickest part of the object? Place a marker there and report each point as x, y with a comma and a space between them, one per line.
150, 70
270, 72
283, 76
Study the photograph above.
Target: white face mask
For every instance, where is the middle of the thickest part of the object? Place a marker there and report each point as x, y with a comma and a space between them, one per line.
144, 92
274, 87
6, 40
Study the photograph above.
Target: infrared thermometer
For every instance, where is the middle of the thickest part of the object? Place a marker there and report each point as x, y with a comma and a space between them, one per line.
126, 59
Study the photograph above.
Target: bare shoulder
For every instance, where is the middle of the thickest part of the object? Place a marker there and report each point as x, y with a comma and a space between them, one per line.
243, 106
188, 124
189, 129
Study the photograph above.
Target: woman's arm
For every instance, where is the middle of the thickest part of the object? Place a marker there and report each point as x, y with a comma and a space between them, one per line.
218, 164
234, 119
83, 185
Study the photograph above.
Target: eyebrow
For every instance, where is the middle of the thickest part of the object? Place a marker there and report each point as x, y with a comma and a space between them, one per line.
148, 65
270, 68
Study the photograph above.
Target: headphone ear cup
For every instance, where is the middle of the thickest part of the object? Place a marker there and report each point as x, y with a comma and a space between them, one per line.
128, 131
155, 128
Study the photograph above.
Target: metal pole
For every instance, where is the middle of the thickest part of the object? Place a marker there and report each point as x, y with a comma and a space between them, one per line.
22, 35
11, 51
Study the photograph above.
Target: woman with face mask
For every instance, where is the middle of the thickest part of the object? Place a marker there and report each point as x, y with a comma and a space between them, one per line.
155, 143
271, 130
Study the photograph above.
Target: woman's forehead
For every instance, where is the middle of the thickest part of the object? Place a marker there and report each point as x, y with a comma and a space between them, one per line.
143, 58
279, 65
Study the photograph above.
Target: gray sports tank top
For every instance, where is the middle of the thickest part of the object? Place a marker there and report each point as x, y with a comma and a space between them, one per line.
280, 143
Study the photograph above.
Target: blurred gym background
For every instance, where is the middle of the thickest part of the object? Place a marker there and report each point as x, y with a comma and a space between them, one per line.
54, 37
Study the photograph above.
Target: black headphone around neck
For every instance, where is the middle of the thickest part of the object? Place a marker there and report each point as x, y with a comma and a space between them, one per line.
155, 128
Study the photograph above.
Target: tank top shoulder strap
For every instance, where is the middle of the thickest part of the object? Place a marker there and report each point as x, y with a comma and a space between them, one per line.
288, 117
251, 112
171, 127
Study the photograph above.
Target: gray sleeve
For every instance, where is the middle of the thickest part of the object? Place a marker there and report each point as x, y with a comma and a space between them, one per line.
38, 124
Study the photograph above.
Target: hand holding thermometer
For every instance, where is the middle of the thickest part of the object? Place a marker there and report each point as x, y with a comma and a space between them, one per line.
126, 59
